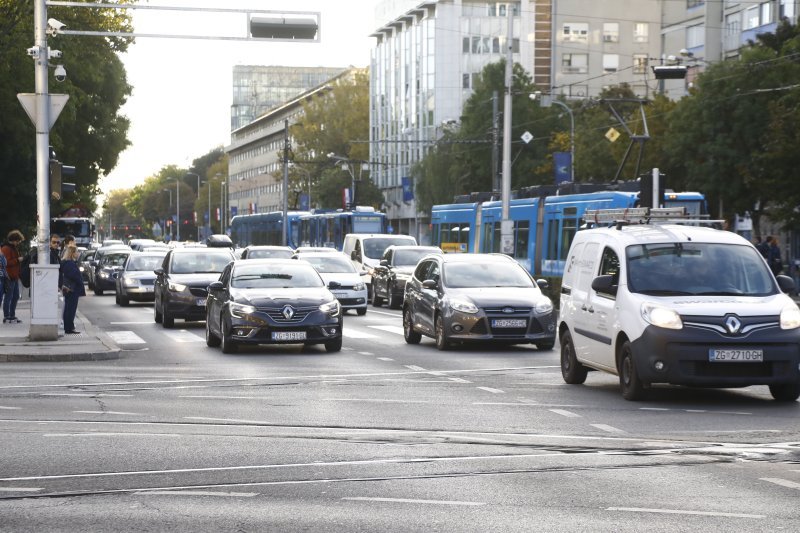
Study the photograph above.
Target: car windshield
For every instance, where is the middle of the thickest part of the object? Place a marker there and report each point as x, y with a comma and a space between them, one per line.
202, 262
144, 263
114, 259
263, 276
675, 269
477, 275
374, 247
331, 265
269, 254
409, 257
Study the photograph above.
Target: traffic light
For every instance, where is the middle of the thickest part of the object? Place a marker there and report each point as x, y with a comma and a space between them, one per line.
59, 171
670, 72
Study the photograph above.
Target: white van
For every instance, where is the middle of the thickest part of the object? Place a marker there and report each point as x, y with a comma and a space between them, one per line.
679, 304
366, 250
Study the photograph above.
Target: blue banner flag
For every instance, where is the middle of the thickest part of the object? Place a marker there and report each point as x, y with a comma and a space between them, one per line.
562, 164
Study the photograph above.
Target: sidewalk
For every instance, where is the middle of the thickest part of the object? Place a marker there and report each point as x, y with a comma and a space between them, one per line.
91, 344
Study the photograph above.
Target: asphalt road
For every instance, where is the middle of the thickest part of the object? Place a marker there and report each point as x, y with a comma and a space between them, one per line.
382, 436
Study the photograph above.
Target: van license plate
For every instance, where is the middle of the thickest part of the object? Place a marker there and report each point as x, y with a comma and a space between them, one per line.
288, 335
509, 323
735, 356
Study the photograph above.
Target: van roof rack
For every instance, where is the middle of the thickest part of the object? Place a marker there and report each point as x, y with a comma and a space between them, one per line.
643, 215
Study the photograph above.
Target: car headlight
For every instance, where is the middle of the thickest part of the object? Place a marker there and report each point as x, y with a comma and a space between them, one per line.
359, 287
241, 310
662, 317
176, 287
331, 308
81, 268
543, 306
790, 317
103, 274
463, 306
131, 282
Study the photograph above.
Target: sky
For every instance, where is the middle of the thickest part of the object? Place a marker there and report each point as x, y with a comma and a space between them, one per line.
182, 88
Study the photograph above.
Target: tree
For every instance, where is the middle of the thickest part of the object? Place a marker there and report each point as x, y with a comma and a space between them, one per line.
89, 134
329, 124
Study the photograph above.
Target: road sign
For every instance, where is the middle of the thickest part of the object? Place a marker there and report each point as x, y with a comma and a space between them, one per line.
57, 103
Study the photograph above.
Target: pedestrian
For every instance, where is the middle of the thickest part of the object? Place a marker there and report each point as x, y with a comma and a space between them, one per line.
774, 258
72, 287
11, 253
3, 277
763, 246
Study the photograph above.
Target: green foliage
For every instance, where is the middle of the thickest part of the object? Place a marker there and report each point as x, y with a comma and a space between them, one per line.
89, 134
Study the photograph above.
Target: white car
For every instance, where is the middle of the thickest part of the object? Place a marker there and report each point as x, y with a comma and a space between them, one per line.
352, 294
679, 304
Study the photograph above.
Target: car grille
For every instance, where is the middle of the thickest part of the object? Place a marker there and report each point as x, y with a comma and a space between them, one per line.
276, 314
199, 291
147, 281
517, 312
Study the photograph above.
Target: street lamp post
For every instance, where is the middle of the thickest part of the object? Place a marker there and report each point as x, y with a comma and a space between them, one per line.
547, 101
177, 208
347, 165
170, 204
222, 190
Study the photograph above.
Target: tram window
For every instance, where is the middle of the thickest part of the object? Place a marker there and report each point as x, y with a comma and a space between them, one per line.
522, 230
568, 229
552, 239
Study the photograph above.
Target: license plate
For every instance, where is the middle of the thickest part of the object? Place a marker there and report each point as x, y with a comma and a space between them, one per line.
150, 289
201, 302
509, 323
288, 335
340, 294
735, 356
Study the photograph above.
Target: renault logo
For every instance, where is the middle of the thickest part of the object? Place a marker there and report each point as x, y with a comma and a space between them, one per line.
287, 312
733, 324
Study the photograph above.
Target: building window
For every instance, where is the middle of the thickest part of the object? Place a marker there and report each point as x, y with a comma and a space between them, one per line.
787, 9
694, 3
465, 45
758, 15
640, 32
611, 32
765, 12
639, 63
695, 36
465, 81
610, 62
575, 63
576, 32
499, 9
732, 25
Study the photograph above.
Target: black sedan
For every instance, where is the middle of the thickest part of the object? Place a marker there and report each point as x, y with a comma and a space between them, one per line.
182, 282
390, 276
108, 267
457, 298
272, 301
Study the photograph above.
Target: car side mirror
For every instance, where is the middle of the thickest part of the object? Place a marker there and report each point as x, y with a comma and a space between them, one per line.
115, 275
92, 262
430, 284
384, 263
215, 286
543, 284
786, 284
334, 285
354, 255
605, 285
158, 272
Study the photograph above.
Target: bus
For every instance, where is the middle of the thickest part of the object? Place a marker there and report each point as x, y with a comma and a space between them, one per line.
306, 228
82, 228
543, 226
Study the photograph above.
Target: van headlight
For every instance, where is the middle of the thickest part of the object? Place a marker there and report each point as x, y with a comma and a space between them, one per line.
662, 317
463, 306
331, 308
241, 310
543, 306
790, 317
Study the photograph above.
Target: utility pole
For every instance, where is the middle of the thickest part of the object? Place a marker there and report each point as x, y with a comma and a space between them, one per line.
285, 181
495, 141
506, 225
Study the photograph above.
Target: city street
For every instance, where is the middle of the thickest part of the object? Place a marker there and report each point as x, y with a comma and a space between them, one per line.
382, 436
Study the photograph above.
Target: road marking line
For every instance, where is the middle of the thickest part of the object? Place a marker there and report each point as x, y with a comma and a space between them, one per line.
385, 359
562, 412
391, 329
365, 353
356, 334
528, 404
195, 493
140, 323
654, 409
610, 429
108, 413
9, 408
183, 336
782, 482
415, 368
493, 391
696, 411
377, 400
374, 311
19, 489
677, 511
107, 434
459, 380
403, 500
126, 337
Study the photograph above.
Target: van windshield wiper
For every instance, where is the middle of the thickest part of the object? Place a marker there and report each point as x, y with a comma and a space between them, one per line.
665, 292
721, 293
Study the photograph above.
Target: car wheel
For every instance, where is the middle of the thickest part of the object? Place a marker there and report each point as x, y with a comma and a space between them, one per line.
545, 346
441, 338
376, 300
157, 316
116, 298
211, 339
124, 301
334, 345
411, 336
394, 301
361, 311
168, 320
572, 371
98, 291
786, 392
228, 344
632, 387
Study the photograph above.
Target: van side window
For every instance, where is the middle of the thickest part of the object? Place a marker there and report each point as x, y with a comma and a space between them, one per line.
609, 265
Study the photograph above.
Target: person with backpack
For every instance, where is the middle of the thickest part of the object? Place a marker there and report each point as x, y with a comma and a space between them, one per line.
10, 249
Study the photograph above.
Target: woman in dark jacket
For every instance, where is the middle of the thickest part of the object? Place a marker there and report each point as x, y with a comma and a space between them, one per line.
10, 250
72, 287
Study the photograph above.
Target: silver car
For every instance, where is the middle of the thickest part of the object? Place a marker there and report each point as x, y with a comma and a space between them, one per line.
136, 279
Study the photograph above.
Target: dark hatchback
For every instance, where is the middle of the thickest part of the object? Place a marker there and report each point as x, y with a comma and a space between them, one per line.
108, 267
181, 285
458, 298
272, 301
390, 276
